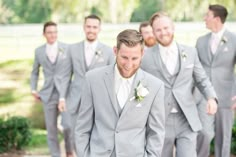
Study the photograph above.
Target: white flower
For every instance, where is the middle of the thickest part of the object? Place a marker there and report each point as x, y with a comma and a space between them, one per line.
140, 92
61, 51
184, 56
223, 40
98, 53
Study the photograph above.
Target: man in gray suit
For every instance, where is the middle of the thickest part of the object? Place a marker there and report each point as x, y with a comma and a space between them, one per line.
122, 107
178, 66
146, 30
217, 53
84, 56
52, 57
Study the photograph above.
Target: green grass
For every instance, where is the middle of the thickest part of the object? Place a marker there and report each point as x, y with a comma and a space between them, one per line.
38, 143
39, 138
7, 96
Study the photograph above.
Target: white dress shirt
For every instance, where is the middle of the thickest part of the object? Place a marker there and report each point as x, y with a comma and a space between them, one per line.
122, 93
51, 51
169, 56
90, 49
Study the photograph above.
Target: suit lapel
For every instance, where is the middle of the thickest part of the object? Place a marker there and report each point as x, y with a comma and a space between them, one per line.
208, 48
221, 46
81, 56
45, 56
96, 56
158, 61
130, 101
60, 53
109, 82
181, 62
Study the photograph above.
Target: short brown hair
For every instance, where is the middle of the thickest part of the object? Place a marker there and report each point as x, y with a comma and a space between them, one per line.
92, 17
49, 23
130, 38
143, 24
156, 16
219, 11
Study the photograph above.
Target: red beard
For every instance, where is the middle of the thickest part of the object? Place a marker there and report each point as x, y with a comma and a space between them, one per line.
151, 41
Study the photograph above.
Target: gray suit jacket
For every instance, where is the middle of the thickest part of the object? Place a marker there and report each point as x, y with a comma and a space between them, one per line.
78, 68
219, 67
190, 70
137, 132
52, 73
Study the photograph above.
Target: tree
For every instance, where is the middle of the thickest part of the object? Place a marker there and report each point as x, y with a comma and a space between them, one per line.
28, 11
145, 10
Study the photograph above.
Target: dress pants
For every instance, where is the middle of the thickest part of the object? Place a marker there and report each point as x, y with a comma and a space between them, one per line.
207, 133
51, 112
224, 120
179, 135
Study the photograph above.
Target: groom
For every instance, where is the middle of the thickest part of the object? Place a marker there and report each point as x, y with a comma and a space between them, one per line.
122, 109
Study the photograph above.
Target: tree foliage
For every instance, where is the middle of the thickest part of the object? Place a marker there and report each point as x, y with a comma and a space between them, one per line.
145, 10
28, 11
112, 11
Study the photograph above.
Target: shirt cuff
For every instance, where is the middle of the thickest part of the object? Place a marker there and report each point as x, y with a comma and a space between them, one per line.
62, 99
33, 91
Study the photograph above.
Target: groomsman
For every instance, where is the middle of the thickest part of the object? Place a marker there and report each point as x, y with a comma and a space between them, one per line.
84, 56
178, 66
146, 30
122, 107
52, 57
217, 53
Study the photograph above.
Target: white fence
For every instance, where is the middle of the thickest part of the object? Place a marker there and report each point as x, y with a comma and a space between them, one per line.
19, 41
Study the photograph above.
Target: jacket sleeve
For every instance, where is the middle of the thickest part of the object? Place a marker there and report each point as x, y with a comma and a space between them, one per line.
201, 79
156, 125
35, 73
84, 122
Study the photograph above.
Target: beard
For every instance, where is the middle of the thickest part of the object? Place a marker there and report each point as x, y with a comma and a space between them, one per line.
166, 41
151, 41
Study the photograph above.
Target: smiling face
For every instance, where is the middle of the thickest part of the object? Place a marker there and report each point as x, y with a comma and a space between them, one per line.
91, 29
148, 36
128, 59
163, 29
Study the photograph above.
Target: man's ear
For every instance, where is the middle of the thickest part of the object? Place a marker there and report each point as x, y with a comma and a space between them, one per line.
115, 50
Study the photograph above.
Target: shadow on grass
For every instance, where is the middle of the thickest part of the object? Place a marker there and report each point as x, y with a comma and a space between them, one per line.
15, 63
7, 97
36, 116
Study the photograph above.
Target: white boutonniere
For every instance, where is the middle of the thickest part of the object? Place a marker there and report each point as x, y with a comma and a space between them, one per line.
98, 56
184, 56
140, 92
223, 40
98, 53
61, 51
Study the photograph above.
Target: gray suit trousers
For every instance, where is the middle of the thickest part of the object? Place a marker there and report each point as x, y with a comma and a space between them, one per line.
179, 135
224, 122
208, 123
51, 113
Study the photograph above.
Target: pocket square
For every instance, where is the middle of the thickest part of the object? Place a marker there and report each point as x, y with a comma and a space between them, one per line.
139, 105
100, 59
189, 66
225, 49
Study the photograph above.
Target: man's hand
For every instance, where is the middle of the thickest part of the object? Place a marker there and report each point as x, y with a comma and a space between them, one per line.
211, 106
234, 105
36, 95
62, 106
